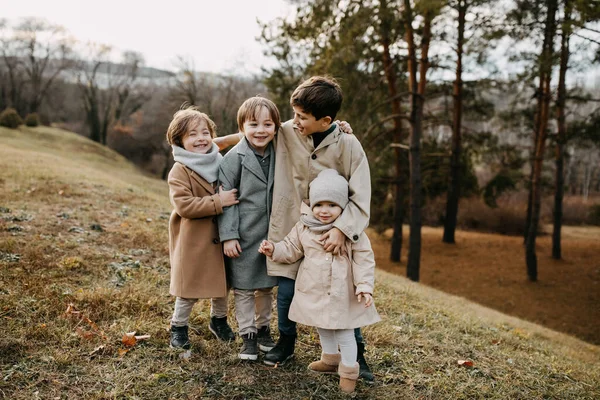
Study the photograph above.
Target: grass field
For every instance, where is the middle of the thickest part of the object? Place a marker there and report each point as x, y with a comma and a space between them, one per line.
84, 260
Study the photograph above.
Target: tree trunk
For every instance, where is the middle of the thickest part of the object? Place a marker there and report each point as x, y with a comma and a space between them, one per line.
536, 190
390, 75
562, 134
417, 100
454, 183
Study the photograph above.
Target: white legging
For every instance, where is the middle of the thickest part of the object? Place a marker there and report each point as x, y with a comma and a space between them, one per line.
331, 339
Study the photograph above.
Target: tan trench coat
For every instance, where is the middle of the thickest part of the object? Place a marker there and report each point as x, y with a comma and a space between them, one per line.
196, 254
297, 164
327, 285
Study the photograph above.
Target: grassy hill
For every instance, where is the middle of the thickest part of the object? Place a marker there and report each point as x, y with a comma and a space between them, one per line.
84, 260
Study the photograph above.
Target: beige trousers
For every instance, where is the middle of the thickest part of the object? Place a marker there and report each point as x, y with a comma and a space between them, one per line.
183, 309
253, 308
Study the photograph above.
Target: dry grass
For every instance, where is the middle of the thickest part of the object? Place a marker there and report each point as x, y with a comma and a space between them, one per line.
56, 189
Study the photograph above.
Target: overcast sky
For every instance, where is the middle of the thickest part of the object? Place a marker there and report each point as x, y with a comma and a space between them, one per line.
218, 34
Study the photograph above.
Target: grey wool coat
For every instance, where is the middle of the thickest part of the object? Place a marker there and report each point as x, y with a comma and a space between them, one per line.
247, 221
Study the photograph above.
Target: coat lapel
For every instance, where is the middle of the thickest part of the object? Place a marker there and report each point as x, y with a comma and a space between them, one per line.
250, 162
209, 188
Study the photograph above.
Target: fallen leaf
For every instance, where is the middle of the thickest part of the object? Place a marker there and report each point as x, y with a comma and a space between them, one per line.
496, 342
61, 192
465, 363
122, 352
84, 334
129, 339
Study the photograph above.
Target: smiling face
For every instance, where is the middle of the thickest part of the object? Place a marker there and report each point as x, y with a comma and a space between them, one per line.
198, 139
307, 124
326, 211
260, 130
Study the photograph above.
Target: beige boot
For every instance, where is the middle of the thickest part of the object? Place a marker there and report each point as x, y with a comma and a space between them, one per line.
327, 364
348, 377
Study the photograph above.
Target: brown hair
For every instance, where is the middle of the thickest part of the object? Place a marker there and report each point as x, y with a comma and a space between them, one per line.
320, 96
184, 121
251, 107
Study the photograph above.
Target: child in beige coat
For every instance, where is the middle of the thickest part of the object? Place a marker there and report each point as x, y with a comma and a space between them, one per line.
196, 254
333, 292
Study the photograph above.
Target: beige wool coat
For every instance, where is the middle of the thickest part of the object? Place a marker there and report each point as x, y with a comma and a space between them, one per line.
327, 285
196, 254
298, 162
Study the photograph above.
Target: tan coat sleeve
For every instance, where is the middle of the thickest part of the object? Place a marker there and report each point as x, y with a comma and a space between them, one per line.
183, 200
355, 217
290, 249
363, 265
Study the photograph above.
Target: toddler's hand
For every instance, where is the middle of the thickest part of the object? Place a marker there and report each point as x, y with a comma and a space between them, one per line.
228, 197
232, 248
368, 298
266, 248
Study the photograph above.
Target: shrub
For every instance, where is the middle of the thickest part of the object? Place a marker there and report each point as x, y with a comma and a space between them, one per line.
10, 118
594, 215
32, 119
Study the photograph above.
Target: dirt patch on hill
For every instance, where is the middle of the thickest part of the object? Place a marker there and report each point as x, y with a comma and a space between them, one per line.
490, 269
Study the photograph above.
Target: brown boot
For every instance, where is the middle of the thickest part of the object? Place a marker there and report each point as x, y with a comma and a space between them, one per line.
348, 377
328, 363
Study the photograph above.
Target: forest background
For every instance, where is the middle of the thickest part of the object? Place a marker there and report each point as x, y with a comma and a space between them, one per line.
494, 103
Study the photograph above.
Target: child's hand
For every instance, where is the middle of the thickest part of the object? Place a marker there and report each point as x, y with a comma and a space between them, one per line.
232, 248
368, 298
266, 248
344, 126
333, 241
228, 197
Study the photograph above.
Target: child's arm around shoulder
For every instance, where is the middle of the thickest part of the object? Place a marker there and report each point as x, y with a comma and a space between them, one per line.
183, 200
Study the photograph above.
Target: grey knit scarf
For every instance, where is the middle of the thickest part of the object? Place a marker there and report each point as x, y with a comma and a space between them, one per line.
205, 165
313, 224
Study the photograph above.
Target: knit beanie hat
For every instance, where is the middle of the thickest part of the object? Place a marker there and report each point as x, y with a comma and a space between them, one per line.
329, 186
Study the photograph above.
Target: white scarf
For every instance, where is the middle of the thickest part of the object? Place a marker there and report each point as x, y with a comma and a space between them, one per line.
205, 165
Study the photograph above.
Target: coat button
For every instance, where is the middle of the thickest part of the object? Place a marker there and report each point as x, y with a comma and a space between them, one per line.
355, 237
216, 241
314, 156
328, 293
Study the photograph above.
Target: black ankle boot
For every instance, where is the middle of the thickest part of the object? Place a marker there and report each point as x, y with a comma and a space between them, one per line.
179, 337
283, 350
365, 372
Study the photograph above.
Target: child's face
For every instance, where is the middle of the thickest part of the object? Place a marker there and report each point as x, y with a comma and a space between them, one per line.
198, 139
326, 211
307, 124
261, 131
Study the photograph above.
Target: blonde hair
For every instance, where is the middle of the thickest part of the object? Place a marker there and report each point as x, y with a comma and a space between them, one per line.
184, 120
251, 107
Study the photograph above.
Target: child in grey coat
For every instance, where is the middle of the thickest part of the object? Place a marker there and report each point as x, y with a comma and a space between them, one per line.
249, 168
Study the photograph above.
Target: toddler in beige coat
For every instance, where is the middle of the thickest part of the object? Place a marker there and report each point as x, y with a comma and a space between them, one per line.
333, 292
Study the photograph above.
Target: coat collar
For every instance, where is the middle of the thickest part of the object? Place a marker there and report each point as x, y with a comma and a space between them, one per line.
250, 162
333, 137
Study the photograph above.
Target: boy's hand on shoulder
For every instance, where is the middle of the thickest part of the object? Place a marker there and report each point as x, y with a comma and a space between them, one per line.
232, 248
228, 197
333, 241
266, 248
344, 127
368, 298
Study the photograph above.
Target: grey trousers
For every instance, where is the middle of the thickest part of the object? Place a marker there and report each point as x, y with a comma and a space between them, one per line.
253, 308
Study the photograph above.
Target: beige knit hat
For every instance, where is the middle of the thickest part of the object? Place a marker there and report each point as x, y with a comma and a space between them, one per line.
329, 186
